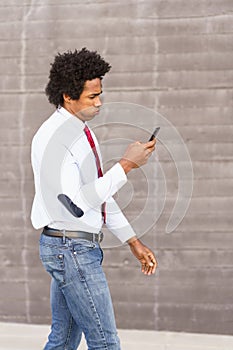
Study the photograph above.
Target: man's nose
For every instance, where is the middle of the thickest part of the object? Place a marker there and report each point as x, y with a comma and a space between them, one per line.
98, 102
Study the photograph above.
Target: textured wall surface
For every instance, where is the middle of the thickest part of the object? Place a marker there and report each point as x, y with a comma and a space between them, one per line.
175, 57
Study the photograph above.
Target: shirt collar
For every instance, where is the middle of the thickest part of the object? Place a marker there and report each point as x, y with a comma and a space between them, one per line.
68, 115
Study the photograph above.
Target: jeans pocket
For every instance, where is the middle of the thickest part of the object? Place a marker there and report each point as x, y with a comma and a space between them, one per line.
83, 246
55, 266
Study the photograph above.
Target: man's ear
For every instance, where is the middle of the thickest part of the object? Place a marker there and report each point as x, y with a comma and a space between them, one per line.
66, 98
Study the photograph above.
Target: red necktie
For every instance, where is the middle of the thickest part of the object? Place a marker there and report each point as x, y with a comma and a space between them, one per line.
99, 170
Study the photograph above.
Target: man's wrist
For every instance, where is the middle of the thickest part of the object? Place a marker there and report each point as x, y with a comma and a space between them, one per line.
126, 165
133, 240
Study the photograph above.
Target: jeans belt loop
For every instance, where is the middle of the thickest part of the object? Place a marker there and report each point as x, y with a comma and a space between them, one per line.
64, 236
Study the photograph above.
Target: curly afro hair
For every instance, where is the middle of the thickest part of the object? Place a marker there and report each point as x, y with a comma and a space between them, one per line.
70, 71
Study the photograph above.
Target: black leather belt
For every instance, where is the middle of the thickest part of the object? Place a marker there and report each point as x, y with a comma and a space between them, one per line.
93, 237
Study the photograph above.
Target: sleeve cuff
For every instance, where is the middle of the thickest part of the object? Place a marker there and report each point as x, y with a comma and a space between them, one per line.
118, 173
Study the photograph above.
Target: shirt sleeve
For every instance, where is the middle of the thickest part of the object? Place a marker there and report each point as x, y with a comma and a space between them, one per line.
92, 194
117, 222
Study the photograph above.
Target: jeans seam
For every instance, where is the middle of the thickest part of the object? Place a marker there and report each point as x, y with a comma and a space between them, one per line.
96, 315
76, 264
69, 332
92, 304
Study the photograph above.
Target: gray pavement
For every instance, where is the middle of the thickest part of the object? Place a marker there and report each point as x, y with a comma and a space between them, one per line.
32, 337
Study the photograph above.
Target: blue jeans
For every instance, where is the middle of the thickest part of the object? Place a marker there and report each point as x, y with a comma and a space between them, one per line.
80, 298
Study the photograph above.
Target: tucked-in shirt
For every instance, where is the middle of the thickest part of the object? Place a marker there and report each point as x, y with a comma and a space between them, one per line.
63, 162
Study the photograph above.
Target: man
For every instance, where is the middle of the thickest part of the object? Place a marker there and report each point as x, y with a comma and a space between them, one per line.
81, 202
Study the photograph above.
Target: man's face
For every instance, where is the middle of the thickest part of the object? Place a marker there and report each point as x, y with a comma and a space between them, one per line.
88, 104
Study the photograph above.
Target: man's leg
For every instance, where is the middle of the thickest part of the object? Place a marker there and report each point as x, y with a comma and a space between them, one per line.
65, 333
88, 298
76, 267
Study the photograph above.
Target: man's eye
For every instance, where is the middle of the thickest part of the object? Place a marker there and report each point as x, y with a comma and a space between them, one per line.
92, 97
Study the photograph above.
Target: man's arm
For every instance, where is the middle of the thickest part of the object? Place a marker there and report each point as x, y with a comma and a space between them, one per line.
121, 228
117, 223
93, 194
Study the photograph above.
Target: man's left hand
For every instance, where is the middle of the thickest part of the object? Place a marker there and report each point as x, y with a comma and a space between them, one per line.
144, 255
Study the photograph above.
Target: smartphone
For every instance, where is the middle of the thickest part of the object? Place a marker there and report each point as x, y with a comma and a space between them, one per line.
155, 133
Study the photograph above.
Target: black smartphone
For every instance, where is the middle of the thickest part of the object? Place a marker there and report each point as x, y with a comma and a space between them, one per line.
155, 133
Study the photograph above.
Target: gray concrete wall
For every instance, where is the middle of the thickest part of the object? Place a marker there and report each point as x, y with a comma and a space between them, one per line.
174, 57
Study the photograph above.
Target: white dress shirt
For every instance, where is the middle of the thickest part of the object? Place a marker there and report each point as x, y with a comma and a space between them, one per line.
63, 162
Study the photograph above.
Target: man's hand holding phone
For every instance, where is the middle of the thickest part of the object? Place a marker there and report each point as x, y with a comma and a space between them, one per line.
137, 153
